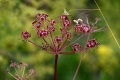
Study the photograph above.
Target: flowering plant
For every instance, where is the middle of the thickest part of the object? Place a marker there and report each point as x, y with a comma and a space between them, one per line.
20, 73
57, 44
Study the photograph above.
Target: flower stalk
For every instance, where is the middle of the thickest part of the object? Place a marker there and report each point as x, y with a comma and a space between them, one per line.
55, 67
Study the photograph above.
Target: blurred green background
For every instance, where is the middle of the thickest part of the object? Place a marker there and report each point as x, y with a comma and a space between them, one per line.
102, 63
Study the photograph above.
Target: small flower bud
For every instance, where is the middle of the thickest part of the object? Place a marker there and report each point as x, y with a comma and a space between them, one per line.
58, 40
51, 28
38, 15
37, 26
92, 43
63, 17
85, 28
77, 47
53, 22
78, 28
26, 35
42, 33
68, 35
34, 22
66, 23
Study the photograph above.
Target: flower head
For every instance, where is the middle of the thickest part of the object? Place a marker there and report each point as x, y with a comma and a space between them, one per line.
56, 43
23, 75
92, 43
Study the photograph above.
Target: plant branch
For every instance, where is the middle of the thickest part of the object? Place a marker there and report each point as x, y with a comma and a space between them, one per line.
81, 59
78, 66
73, 42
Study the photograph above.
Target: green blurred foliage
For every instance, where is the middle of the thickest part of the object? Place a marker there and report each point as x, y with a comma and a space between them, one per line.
102, 63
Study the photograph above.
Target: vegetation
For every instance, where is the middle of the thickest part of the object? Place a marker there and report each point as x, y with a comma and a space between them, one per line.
16, 16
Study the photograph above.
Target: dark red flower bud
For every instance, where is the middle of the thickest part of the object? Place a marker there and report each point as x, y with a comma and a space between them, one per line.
68, 35
26, 35
92, 43
78, 28
42, 18
82, 28
37, 26
46, 15
85, 28
63, 17
53, 22
51, 28
42, 33
38, 15
77, 47
58, 40
66, 23
34, 22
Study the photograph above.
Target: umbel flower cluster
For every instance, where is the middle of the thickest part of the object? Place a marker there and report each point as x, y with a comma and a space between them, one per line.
57, 44
20, 72
45, 28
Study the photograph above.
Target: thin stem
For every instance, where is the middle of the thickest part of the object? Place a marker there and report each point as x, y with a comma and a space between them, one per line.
107, 24
39, 46
12, 75
29, 75
81, 59
16, 70
66, 52
78, 66
50, 51
84, 9
53, 41
49, 36
73, 42
47, 43
63, 44
23, 71
55, 67
34, 43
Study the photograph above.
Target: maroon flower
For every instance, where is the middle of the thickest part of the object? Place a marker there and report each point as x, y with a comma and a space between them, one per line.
85, 28
66, 23
68, 35
38, 25
77, 47
53, 22
13, 64
82, 28
92, 43
34, 22
26, 35
63, 17
78, 28
41, 16
51, 28
58, 40
42, 33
